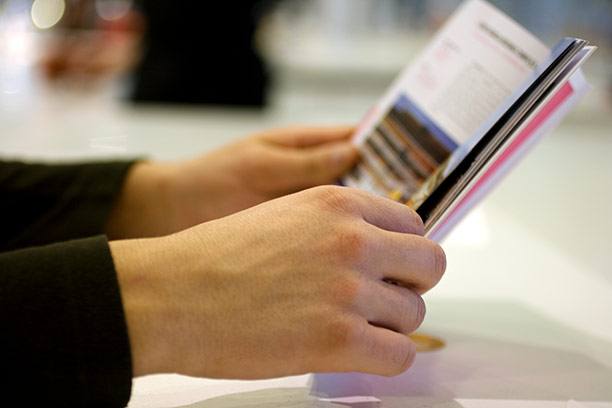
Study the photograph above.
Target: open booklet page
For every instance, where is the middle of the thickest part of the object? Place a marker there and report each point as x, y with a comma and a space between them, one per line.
472, 65
561, 102
467, 109
535, 107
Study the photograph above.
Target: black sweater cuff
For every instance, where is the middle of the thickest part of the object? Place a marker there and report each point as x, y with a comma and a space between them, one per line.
46, 203
65, 340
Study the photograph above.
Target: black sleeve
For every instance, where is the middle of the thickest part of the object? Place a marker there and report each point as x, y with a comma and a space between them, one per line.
64, 339
42, 204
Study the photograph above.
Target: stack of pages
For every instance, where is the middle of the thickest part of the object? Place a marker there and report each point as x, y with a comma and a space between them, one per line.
475, 100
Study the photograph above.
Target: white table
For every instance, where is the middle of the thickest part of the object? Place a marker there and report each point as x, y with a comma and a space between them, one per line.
497, 354
525, 307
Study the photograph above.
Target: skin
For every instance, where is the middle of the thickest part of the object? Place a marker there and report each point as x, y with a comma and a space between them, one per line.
162, 198
289, 285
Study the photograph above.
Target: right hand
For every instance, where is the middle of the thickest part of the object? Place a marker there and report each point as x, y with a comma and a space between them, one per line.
291, 286
160, 198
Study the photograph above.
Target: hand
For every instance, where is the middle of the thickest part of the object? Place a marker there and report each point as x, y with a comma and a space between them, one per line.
294, 285
162, 198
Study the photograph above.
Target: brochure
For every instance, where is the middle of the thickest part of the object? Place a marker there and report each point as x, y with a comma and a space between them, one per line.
464, 112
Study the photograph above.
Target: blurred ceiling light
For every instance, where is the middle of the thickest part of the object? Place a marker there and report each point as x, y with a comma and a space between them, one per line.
113, 9
46, 13
15, 45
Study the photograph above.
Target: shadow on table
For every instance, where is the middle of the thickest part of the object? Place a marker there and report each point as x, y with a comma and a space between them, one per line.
479, 368
467, 368
493, 351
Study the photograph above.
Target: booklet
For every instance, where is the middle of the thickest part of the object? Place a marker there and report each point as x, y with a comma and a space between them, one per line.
462, 114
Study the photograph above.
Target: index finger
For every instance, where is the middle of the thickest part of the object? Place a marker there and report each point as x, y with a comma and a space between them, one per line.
389, 215
305, 136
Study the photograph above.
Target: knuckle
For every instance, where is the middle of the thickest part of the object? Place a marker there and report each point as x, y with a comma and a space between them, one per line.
345, 291
406, 358
341, 334
415, 308
417, 223
333, 197
399, 359
352, 242
416, 315
420, 312
439, 262
432, 264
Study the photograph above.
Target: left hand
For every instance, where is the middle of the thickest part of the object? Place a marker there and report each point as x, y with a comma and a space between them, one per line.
162, 198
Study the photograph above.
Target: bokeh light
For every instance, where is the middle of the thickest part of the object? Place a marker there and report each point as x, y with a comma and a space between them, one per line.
47, 13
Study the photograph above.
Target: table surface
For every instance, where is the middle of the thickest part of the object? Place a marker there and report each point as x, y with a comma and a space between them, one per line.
496, 354
525, 307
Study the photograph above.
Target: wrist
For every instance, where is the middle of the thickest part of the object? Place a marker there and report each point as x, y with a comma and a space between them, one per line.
141, 269
143, 208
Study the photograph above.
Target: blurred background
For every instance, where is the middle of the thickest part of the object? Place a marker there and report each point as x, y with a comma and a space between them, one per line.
251, 53
168, 79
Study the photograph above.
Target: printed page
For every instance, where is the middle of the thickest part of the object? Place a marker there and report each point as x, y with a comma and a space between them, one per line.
472, 65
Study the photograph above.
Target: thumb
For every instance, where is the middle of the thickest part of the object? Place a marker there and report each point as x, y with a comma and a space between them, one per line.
343, 156
324, 164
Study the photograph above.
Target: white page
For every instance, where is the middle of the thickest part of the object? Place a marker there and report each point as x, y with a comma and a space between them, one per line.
478, 59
